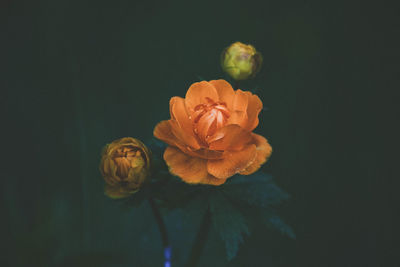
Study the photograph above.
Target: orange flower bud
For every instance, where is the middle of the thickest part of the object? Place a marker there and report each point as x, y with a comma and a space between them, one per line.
125, 165
241, 61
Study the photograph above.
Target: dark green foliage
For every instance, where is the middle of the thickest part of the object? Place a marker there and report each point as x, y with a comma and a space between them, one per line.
228, 222
278, 223
256, 196
257, 189
195, 208
235, 206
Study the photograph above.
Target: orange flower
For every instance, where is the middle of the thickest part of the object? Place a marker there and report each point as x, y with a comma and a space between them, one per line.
210, 134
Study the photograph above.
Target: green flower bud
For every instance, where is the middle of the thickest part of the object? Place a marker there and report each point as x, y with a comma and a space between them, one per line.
241, 61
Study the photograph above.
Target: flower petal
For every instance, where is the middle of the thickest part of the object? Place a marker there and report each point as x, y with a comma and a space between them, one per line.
205, 153
240, 101
233, 163
184, 128
230, 137
239, 112
127, 140
122, 166
264, 151
178, 112
185, 139
253, 109
212, 180
116, 192
238, 117
206, 122
110, 171
163, 132
190, 169
225, 92
198, 94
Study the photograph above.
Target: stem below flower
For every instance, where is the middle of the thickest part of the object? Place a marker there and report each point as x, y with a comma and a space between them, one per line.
163, 232
201, 239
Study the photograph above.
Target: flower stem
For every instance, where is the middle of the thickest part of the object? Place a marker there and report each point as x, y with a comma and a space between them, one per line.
163, 232
200, 241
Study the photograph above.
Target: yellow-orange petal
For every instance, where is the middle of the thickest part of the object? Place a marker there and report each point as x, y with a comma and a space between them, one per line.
111, 168
240, 101
116, 192
123, 166
238, 114
211, 180
105, 168
234, 162
190, 169
127, 140
199, 93
225, 92
238, 117
178, 112
253, 109
185, 139
231, 137
163, 132
264, 151
112, 180
205, 153
184, 131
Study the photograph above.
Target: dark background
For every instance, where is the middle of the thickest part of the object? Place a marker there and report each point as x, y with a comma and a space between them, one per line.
76, 75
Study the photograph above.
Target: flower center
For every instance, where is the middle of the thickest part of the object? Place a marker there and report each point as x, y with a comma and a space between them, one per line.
126, 158
208, 118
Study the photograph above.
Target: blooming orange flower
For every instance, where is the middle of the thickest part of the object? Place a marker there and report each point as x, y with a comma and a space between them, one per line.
210, 134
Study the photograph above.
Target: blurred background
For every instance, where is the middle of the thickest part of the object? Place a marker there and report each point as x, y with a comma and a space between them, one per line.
76, 75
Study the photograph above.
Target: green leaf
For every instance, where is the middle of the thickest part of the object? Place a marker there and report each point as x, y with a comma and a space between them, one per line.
276, 222
228, 222
255, 196
195, 208
256, 190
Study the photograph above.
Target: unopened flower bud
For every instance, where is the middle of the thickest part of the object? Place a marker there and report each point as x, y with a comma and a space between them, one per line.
125, 166
241, 61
